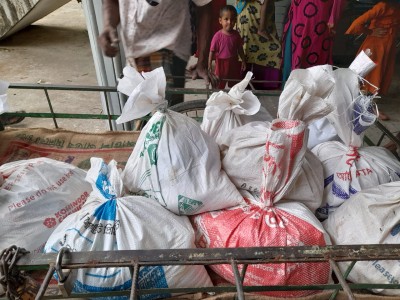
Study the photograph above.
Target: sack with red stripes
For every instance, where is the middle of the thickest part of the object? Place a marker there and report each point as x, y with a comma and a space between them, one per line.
270, 221
242, 148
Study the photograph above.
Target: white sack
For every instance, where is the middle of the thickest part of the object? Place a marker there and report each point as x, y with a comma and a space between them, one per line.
111, 222
263, 115
370, 217
347, 100
243, 148
348, 167
174, 162
146, 92
224, 111
321, 131
35, 196
350, 170
305, 94
362, 64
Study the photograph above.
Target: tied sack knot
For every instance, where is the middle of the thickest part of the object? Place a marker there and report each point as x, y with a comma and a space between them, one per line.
267, 199
352, 155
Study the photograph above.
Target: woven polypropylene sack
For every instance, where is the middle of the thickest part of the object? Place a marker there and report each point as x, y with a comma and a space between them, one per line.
268, 221
36, 196
369, 217
109, 221
177, 164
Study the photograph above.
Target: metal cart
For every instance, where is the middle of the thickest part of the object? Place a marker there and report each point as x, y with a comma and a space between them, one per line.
16, 264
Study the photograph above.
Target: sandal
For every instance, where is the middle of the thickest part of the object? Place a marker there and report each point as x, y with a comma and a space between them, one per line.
11, 120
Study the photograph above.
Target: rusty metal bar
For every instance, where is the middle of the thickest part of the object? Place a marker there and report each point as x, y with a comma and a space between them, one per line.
238, 281
135, 276
253, 255
61, 87
243, 273
380, 139
232, 256
51, 108
84, 88
46, 281
342, 281
252, 87
108, 110
387, 133
368, 141
345, 275
207, 92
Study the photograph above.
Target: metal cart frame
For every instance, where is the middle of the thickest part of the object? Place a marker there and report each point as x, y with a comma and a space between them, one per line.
16, 260
106, 90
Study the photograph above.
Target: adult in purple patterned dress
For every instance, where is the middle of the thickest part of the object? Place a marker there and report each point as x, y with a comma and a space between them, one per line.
308, 33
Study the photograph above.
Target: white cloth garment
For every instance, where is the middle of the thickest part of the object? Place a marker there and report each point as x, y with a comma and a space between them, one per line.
146, 29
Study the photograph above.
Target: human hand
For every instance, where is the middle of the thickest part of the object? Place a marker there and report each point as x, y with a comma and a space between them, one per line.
378, 32
108, 41
199, 71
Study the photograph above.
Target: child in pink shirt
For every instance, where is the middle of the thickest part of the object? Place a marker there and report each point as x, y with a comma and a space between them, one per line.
226, 45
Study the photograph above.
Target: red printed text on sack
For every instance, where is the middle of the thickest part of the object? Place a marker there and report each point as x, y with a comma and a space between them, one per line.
36, 195
347, 176
8, 186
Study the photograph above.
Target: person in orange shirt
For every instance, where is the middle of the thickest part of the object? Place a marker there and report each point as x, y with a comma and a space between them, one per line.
381, 24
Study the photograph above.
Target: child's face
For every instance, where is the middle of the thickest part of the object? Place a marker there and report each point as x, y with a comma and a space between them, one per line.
227, 20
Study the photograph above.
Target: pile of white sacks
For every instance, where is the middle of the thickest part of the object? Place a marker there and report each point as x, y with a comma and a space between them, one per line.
240, 179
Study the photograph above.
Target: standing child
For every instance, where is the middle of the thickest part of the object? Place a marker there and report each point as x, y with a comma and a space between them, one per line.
383, 22
226, 45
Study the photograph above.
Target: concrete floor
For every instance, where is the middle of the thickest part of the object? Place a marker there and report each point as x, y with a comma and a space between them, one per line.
56, 50
53, 50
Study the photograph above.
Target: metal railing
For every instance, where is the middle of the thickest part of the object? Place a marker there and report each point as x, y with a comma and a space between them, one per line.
110, 117
235, 257
134, 259
105, 90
